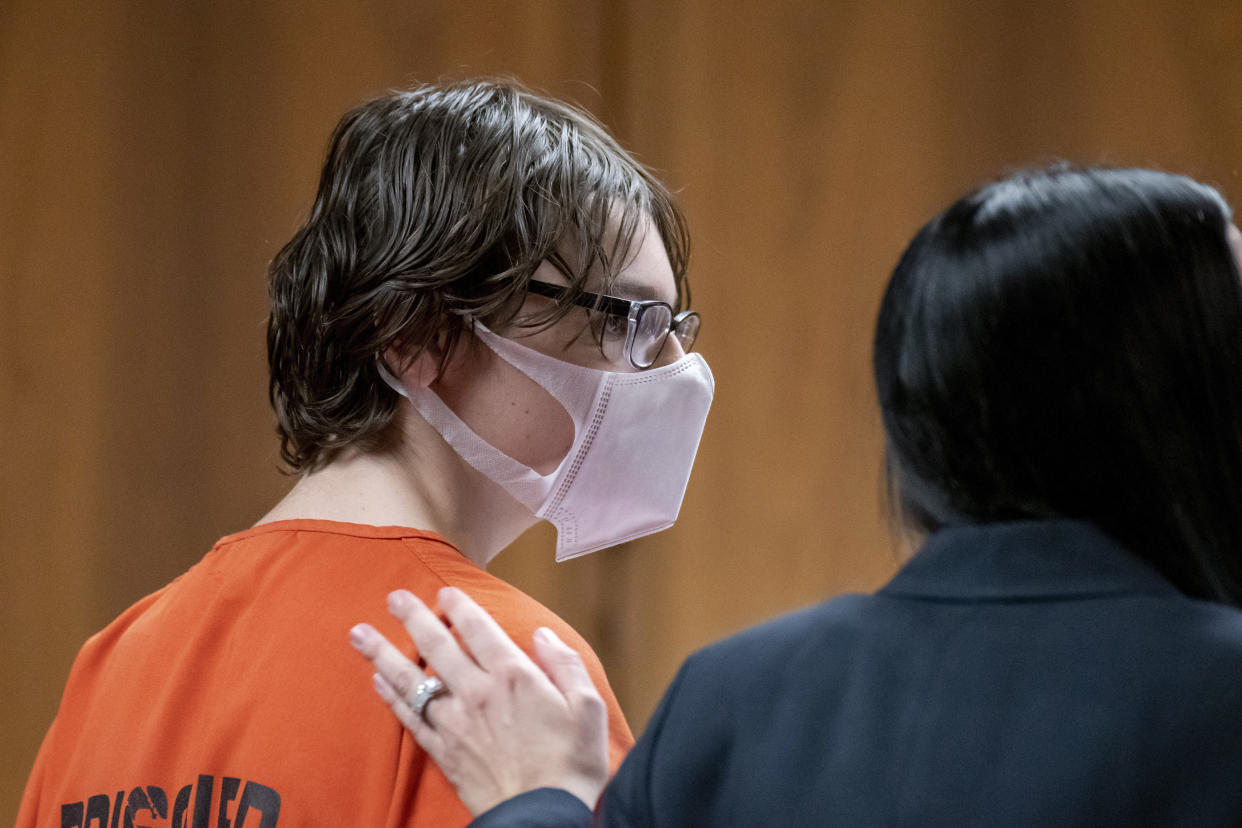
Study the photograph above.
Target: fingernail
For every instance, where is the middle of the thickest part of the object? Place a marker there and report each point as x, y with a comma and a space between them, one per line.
380, 686
398, 601
449, 593
359, 635
547, 636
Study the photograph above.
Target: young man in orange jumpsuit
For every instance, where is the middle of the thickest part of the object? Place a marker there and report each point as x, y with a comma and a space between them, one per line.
478, 326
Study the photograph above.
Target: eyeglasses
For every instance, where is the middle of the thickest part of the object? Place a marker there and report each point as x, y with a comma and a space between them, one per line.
647, 322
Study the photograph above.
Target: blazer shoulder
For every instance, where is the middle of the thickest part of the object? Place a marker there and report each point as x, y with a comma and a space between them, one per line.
835, 621
1213, 633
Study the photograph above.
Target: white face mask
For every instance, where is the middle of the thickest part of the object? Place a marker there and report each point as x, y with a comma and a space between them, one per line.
635, 438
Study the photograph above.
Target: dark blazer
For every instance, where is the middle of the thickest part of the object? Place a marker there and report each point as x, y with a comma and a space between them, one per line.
1030, 673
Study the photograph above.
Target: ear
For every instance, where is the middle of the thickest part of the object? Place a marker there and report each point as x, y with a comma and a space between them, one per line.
419, 373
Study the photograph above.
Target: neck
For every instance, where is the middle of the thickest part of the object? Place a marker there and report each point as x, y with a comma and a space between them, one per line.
420, 482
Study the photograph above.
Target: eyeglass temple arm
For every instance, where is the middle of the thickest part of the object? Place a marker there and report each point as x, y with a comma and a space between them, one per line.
586, 299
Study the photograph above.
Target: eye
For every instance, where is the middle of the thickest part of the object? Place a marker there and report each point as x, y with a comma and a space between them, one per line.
615, 326
607, 327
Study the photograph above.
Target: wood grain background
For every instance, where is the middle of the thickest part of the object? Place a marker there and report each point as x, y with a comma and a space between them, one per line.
154, 156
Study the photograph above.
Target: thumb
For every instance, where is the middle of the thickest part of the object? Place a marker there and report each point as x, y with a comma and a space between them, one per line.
563, 666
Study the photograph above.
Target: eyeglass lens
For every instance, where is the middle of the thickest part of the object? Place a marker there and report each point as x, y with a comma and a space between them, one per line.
653, 325
655, 322
687, 331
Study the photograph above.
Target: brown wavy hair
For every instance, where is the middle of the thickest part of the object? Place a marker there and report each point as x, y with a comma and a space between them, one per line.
434, 208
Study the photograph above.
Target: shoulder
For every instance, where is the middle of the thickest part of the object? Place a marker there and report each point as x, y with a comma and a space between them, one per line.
1216, 625
1169, 632
519, 615
1143, 642
802, 653
1201, 641
806, 631
100, 646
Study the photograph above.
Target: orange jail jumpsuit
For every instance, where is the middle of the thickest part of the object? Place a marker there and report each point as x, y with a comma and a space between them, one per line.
232, 699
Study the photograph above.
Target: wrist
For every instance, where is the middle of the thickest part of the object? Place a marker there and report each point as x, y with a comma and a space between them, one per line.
588, 789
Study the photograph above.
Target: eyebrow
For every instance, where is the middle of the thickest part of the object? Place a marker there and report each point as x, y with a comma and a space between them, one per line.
633, 290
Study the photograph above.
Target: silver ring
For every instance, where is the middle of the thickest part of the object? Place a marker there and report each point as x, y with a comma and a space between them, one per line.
426, 690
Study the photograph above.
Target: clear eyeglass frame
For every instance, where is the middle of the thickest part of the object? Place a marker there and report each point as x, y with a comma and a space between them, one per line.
648, 321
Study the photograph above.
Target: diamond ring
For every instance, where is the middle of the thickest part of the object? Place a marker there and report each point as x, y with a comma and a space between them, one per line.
426, 690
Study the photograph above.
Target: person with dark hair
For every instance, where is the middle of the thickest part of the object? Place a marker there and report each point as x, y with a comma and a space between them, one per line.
480, 325
1058, 358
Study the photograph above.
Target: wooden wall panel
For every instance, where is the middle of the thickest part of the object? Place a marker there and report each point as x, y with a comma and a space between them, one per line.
154, 156
811, 140
51, 365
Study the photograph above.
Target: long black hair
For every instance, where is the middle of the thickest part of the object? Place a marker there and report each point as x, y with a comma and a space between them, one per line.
1068, 343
